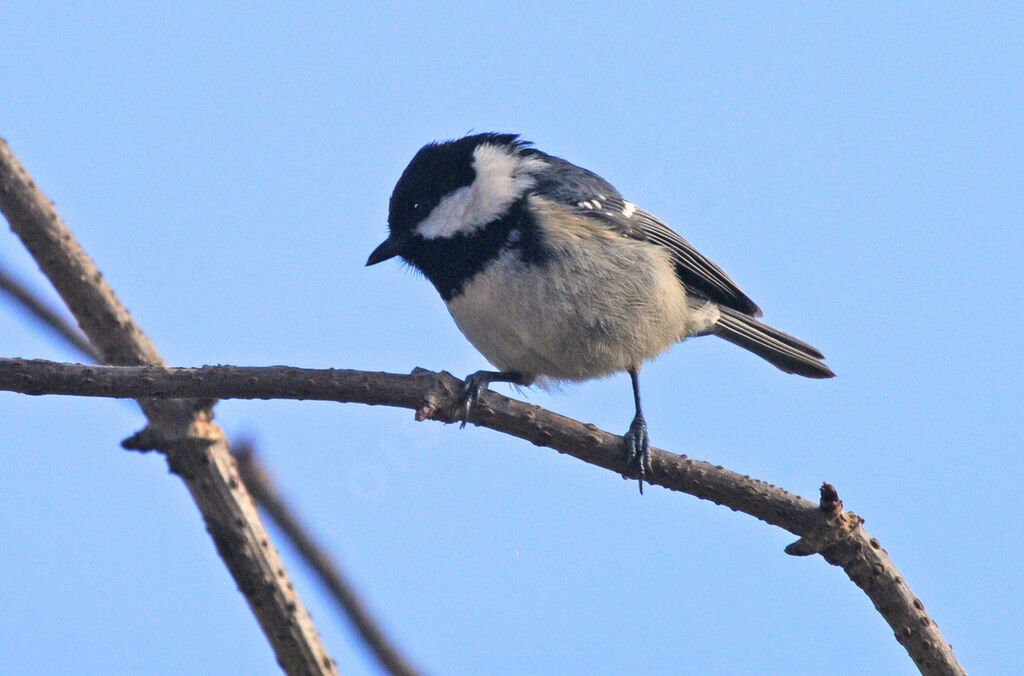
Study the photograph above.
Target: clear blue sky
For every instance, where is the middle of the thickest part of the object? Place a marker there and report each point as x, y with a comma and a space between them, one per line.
858, 171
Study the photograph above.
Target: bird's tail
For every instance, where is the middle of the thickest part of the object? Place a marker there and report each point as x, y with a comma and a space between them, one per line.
780, 349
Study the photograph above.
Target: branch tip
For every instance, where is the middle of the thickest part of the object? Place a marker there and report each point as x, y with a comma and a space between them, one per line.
144, 441
830, 502
833, 525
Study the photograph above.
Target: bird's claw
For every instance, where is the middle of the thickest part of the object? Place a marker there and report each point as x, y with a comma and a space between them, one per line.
638, 450
475, 385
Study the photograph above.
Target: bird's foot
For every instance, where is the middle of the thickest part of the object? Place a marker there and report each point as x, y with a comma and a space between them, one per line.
638, 450
476, 383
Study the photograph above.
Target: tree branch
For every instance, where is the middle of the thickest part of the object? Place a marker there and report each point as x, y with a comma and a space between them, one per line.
183, 430
257, 480
824, 529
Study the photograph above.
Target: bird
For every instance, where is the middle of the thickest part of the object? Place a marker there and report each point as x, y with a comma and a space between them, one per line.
554, 277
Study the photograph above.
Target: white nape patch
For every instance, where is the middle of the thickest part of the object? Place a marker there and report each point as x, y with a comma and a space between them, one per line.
628, 209
501, 178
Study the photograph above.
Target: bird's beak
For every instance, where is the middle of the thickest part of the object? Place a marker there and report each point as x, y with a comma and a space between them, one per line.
389, 248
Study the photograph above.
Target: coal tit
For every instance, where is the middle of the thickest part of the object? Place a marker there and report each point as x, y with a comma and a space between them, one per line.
553, 276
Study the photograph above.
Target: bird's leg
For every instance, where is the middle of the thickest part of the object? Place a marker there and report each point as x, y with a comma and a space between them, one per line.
477, 382
638, 445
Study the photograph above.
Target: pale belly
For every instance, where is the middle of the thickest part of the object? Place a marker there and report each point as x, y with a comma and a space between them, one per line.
580, 320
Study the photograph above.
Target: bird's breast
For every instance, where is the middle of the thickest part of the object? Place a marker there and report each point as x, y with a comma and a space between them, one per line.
597, 305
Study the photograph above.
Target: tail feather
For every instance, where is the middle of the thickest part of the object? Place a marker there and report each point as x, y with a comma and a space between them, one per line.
780, 349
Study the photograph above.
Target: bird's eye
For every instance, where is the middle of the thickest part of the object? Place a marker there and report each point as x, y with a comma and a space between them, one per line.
415, 206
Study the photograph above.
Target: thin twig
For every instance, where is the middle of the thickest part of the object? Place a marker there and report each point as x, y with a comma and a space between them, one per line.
825, 529
195, 447
262, 488
48, 316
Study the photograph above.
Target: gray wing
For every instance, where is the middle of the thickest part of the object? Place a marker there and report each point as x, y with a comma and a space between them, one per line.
692, 267
591, 195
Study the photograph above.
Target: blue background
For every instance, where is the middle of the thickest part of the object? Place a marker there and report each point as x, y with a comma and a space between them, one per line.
858, 171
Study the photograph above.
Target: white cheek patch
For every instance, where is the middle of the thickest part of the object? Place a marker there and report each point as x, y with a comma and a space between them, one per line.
501, 178
448, 217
